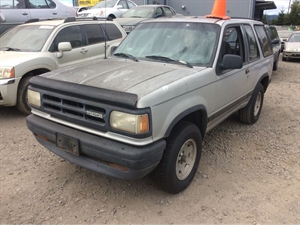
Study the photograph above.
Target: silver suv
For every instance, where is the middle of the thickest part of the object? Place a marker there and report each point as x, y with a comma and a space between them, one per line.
31, 49
147, 108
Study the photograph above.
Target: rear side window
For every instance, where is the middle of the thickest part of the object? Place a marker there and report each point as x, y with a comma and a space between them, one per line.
41, 4
252, 44
112, 31
264, 41
168, 12
94, 33
7, 4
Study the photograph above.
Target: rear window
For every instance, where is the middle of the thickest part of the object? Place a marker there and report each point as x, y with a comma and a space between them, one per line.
112, 31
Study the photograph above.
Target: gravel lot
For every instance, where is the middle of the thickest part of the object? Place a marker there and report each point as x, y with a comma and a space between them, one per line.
247, 174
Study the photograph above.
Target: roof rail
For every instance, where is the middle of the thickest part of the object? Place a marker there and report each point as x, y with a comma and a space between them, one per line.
73, 19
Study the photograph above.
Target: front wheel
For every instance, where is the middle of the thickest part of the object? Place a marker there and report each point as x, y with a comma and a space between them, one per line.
251, 112
181, 158
22, 98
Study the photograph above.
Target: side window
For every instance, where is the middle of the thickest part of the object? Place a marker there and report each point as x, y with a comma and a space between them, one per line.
19, 4
168, 12
264, 41
112, 31
130, 5
123, 3
69, 34
94, 34
252, 45
159, 12
233, 42
51, 4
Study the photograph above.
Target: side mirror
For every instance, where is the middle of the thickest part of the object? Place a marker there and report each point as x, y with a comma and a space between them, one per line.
63, 47
284, 39
113, 49
275, 42
119, 7
231, 62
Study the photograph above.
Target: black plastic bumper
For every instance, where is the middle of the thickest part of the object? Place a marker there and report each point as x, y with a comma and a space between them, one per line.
96, 153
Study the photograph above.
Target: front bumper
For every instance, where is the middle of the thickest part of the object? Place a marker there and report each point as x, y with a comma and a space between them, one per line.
8, 92
99, 154
291, 55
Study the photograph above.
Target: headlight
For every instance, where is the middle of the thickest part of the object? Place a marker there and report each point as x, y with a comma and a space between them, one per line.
7, 72
34, 98
136, 124
128, 29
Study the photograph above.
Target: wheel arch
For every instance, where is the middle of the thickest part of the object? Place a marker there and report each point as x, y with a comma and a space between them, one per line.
196, 114
265, 80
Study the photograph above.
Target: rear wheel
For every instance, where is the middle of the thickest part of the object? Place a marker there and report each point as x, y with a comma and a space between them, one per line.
22, 98
251, 112
181, 158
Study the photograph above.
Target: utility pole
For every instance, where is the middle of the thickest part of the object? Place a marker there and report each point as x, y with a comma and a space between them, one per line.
289, 7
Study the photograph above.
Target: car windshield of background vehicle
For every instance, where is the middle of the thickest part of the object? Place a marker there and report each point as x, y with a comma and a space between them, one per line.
295, 38
193, 43
26, 38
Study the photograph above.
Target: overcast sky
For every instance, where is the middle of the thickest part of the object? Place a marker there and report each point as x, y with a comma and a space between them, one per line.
281, 4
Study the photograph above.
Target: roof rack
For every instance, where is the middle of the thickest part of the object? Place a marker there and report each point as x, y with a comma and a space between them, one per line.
37, 20
73, 19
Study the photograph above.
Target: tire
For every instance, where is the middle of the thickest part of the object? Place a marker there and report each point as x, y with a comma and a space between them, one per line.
22, 103
181, 158
251, 112
111, 17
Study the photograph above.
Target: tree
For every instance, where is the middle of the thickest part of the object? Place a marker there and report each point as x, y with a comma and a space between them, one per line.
265, 19
293, 18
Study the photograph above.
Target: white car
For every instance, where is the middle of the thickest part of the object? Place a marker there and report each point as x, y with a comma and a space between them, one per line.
32, 49
15, 12
108, 9
291, 48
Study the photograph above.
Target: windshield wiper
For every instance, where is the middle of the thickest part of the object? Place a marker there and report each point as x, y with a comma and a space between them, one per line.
126, 56
168, 59
10, 49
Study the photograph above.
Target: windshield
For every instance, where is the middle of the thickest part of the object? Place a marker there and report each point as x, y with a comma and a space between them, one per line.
139, 13
193, 43
295, 38
105, 4
26, 38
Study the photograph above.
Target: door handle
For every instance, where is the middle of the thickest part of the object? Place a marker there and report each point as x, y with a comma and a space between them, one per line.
84, 50
247, 71
24, 13
54, 13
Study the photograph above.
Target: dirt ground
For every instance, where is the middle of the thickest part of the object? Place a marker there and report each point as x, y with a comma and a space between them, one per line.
247, 174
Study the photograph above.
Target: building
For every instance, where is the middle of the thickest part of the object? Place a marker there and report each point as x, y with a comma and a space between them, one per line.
253, 9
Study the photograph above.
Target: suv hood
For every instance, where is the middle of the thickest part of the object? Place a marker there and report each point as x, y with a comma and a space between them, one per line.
292, 45
12, 58
139, 78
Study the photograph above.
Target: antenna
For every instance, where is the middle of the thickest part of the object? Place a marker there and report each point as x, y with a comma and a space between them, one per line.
105, 46
219, 10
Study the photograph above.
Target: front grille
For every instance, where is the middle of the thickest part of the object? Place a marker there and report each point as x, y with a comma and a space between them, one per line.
77, 110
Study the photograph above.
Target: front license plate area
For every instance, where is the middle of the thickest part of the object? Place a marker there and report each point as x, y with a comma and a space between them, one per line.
67, 144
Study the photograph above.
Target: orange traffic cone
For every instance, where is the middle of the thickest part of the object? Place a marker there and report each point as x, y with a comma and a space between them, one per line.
219, 10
